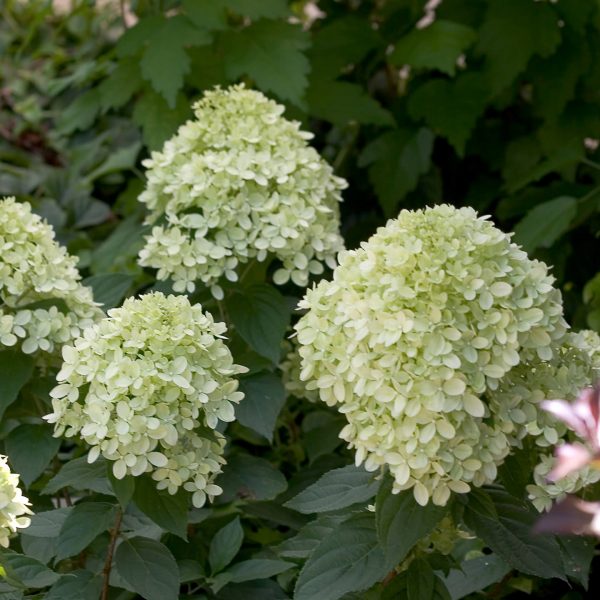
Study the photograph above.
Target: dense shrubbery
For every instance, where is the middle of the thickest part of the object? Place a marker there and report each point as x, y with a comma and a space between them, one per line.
178, 427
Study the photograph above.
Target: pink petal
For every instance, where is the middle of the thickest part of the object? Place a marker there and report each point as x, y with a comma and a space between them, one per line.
572, 515
569, 458
566, 412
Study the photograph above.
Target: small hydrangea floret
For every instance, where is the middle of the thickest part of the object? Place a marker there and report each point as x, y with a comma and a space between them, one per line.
13, 505
146, 388
42, 301
239, 183
416, 325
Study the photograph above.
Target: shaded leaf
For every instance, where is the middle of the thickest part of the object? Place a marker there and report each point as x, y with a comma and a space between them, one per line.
257, 568
224, 545
15, 370
28, 571
475, 575
80, 475
110, 288
76, 585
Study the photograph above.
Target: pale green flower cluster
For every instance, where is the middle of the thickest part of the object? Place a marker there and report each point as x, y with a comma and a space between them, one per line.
13, 505
239, 183
290, 373
146, 388
38, 281
543, 493
415, 327
575, 364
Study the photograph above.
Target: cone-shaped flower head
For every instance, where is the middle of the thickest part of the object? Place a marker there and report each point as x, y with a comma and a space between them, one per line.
415, 326
42, 301
146, 388
13, 505
239, 183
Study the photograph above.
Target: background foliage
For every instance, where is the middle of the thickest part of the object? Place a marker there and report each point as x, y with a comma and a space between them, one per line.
487, 103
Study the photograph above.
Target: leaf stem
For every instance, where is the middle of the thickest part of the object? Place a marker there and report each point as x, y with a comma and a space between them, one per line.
114, 534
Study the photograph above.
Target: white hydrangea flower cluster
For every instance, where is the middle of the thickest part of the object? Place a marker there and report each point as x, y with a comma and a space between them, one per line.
239, 183
34, 272
575, 364
415, 327
146, 388
543, 493
13, 505
290, 373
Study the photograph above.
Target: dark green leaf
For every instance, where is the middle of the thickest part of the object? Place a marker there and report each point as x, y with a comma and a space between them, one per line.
509, 535
349, 560
514, 31
40, 548
261, 316
168, 511
321, 431
437, 46
250, 477
265, 589
149, 568
225, 545
122, 488
255, 9
31, 448
341, 102
165, 61
118, 88
15, 370
47, 524
135, 38
109, 289
76, 585
451, 107
30, 572
121, 160
577, 554
80, 475
401, 522
423, 584
81, 527
264, 397
337, 489
257, 568
545, 223
271, 53
475, 575
309, 537
397, 159
207, 14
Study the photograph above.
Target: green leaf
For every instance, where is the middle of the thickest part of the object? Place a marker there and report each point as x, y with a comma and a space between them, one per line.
250, 477
261, 316
207, 14
28, 571
168, 511
31, 448
47, 524
264, 397
165, 61
135, 38
321, 433
40, 548
122, 159
544, 224
336, 489
513, 31
81, 527
475, 575
80, 113
341, 102
76, 585
157, 120
119, 87
437, 46
509, 535
396, 160
577, 554
309, 537
15, 370
257, 568
401, 522
451, 107
423, 584
149, 568
122, 488
110, 288
349, 560
270, 52
344, 41
80, 475
225, 545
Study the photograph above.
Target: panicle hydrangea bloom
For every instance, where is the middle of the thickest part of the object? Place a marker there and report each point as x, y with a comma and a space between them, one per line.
544, 493
238, 183
290, 371
146, 388
13, 505
413, 329
575, 364
34, 268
